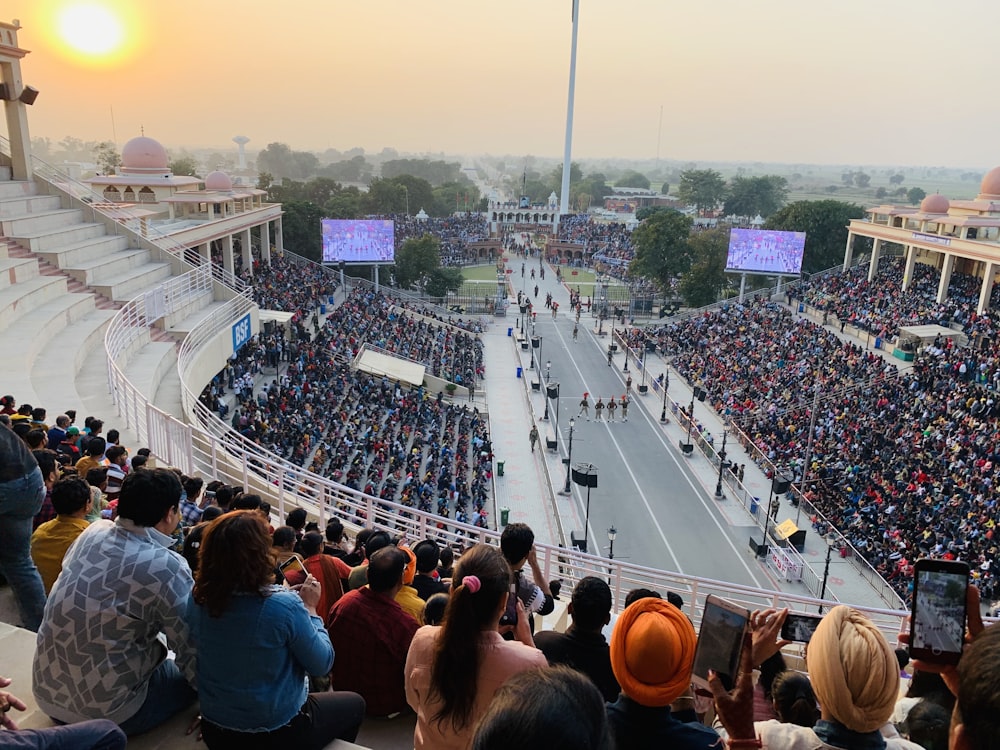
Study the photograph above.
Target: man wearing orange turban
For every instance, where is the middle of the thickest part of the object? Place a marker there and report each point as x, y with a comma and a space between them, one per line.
652, 653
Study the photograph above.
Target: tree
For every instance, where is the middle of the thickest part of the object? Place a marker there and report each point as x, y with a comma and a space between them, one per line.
749, 196
302, 230
416, 258
661, 246
344, 205
418, 193
107, 157
282, 162
665, 189
184, 166
440, 281
701, 188
881, 192
595, 187
825, 224
914, 195
702, 283
861, 179
896, 179
633, 179
455, 196
355, 169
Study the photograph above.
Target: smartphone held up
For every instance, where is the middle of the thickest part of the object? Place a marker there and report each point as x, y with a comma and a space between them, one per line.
937, 622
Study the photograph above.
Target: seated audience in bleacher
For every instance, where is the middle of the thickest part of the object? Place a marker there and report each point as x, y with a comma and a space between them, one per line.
371, 634
71, 499
453, 670
426, 580
100, 652
583, 646
407, 596
256, 642
329, 571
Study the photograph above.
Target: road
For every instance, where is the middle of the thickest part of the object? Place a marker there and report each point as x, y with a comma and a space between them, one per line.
665, 517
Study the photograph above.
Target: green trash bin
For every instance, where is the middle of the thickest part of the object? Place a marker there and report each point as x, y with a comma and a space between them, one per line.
499, 468
504, 516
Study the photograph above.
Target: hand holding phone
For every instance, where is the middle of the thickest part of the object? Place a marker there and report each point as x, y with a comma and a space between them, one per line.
937, 623
799, 627
720, 642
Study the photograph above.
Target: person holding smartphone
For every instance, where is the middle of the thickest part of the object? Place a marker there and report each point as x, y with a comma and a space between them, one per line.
256, 642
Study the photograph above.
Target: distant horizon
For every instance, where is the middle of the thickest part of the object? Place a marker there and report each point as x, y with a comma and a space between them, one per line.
774, 82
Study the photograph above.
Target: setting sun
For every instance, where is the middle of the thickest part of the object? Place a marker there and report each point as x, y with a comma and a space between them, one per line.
91, 29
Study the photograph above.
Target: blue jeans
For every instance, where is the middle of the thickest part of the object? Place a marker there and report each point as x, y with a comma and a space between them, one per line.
167, 695
99, 734
20, 501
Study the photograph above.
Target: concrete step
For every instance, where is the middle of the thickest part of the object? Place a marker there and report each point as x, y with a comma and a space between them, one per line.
54, 371
21, 299
200, 309
15, 270
108, 266
128, 285
147, 367
52, 239
29, 204
61, 218
79, 253
16, 188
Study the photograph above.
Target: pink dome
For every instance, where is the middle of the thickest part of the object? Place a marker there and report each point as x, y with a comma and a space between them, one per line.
144, 154
218, 181
935, 204
991, 183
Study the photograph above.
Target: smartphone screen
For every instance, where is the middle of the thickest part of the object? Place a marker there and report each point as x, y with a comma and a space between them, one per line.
720, 641
292, 570
937, 626
510, 613
799, 627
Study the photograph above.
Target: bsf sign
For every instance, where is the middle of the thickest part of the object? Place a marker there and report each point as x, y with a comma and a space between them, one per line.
242, 331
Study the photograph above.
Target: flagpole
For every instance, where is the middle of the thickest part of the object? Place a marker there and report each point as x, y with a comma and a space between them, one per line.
564, 196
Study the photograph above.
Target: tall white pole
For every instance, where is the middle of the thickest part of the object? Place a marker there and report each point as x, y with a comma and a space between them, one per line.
564, 196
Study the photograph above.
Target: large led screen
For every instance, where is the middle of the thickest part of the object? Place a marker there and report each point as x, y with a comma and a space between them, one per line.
358, 241
765, 251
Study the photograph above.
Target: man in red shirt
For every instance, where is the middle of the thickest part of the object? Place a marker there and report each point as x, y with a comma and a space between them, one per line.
371, 635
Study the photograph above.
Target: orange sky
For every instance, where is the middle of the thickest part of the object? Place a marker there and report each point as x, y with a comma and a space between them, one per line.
854, 82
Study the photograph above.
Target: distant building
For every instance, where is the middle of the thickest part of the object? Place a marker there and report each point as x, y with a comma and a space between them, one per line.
958, 235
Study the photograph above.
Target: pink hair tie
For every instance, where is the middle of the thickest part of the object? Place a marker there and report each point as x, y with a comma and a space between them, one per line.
472, 583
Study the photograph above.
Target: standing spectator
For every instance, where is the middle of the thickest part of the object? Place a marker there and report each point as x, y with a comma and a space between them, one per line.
193, 501
22, 489
517, 543
583, 646
453, 670
256, 644
371, 634
123, 591
71, 499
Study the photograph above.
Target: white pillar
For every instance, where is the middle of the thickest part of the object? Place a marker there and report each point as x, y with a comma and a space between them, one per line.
873, 265
564, 198
16, 114
227, 254
245, 247
911, 260
279, 239
987, 288
205, 251
265, 243
849, 253
946, 269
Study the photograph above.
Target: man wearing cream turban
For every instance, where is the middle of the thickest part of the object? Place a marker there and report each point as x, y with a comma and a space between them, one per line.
652, 652
855, 676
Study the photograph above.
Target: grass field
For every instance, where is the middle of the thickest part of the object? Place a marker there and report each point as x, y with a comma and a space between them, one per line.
573, 276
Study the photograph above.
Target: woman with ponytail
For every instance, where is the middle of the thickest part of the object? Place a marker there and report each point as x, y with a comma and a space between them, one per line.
453, 670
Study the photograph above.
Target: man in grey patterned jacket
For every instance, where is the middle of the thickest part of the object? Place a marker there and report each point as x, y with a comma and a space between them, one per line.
117, 606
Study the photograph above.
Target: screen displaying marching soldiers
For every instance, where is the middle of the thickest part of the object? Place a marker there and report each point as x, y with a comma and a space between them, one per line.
765, 251
940, 611
362, 241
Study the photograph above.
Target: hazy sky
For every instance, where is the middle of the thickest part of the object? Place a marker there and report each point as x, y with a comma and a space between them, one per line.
852, 82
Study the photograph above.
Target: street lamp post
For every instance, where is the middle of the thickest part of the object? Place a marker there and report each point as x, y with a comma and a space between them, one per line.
826, 570
663, 414
722, 462
569, 456
612, 534
552, 392
699, 394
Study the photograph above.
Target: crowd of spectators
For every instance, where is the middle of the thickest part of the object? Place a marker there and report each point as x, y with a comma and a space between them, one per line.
453, 232
400, 444
902, 464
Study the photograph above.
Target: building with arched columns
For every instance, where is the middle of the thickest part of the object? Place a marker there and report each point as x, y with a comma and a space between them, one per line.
957, 235
190, 211
523, 217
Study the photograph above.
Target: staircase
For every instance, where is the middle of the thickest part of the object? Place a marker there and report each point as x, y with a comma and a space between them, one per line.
62, 279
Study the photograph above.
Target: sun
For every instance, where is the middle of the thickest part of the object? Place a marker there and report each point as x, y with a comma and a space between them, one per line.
91, 30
